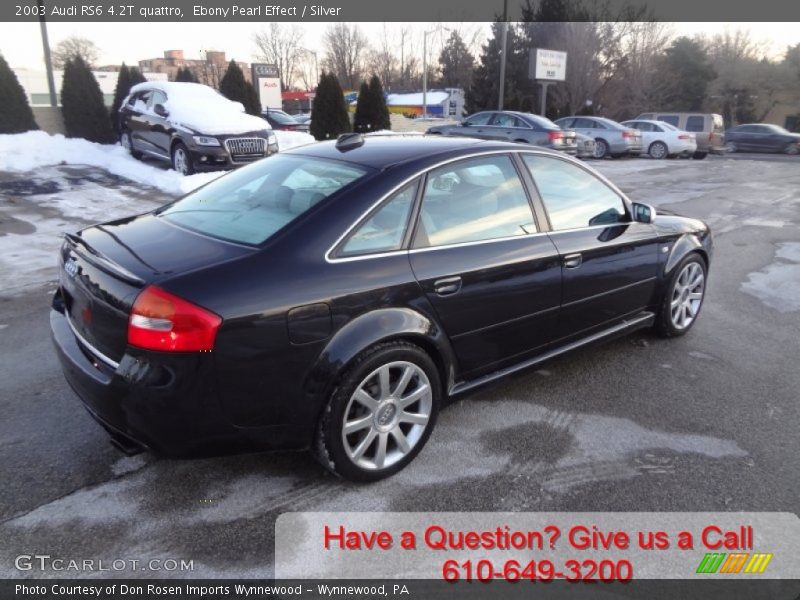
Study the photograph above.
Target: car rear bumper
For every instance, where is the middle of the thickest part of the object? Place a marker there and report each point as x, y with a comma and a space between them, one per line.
164, 402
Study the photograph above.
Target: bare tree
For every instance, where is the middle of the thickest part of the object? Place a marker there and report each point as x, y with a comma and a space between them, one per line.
383, 61
346, 49
281, 45
73, 46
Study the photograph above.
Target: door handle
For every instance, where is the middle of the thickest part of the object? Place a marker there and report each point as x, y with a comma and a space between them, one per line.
446, 287
573, 261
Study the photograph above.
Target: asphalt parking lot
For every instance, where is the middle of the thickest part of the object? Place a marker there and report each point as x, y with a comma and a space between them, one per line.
707, 422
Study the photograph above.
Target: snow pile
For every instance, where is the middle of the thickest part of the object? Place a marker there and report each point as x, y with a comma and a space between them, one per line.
778, 284
203, 109
28, 151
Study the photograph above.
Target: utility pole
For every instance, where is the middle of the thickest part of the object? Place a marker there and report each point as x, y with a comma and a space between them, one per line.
503, 40
48, 63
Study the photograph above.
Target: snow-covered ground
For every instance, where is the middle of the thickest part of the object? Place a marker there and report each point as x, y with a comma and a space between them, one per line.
28, 151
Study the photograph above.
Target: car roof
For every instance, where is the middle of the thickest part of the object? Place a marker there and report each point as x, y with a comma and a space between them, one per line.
381, 151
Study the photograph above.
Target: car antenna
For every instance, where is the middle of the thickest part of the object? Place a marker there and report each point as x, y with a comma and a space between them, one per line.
348, 141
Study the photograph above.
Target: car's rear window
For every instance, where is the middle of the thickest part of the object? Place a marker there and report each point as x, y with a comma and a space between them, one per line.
250, 205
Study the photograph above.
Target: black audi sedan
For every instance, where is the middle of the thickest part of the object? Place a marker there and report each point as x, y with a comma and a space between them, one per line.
335, 296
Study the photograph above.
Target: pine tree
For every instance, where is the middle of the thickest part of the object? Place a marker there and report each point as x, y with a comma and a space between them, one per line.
15, 113
120, 93
484, 91
456, 62
381, 111
85, 114
363, 120
235, 87
136, 76
185, 75
329, 117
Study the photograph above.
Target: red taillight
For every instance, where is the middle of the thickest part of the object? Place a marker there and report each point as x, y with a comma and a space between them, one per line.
161, 321
555, 135
628, 134
684, 137
287, 128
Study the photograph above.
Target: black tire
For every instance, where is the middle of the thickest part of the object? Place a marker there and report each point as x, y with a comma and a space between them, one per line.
329, 446
186, 167
127, 143
664, 325
600, 148
658, 150
699, 155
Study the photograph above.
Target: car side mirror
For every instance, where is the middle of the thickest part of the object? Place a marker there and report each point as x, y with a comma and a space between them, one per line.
160, 110
643, 213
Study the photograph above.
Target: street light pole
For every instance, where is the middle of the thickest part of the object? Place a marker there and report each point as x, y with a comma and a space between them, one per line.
503, 44
48, 63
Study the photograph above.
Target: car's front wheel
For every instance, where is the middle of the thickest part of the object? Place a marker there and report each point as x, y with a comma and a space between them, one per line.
731, 147
127, 142
381, 413
181, 159
684, 297
792, 148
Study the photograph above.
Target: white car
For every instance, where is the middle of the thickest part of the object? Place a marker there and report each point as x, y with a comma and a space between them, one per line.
662, 140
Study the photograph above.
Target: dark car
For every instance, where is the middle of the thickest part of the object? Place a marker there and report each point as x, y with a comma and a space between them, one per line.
336, 295
512, 126
761, 137
192, 126
282, 121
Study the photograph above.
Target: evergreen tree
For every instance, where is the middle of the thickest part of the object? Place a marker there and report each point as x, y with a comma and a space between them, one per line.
363, 120
456, 62
235, 87
685, 75
120, 93
136, 76
185, 75
85, 114
381, 111
15, 113
329, 117
485, 89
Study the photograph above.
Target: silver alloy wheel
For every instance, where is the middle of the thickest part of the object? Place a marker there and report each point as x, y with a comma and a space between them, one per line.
600, 149
180, 161
387, 415
658, 150
731, 147
792, 149
687, 295
125, 140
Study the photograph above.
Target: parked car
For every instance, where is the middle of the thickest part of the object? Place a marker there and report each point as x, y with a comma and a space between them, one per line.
708, 128
192, 126
512, 126
761, 137
282, 121
336, 295
662, 140
611, 138
586, 146
303, 119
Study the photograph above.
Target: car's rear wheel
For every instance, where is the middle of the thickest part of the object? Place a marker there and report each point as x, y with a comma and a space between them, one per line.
699, 155
658, 150
181, 159
600, 148
127, 143
381, 413
684, 297
792, 148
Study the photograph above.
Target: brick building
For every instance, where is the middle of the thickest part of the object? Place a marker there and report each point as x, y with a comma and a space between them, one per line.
208, 70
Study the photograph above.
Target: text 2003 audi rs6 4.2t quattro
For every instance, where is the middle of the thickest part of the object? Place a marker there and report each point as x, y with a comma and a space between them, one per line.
334, 296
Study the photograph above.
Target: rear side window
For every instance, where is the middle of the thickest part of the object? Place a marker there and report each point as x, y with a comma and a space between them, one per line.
479, 119
671, 119
250, 205
473, 200
696, 123
574, 197
385, 229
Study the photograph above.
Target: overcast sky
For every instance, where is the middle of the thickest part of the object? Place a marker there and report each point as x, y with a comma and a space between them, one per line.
20, 43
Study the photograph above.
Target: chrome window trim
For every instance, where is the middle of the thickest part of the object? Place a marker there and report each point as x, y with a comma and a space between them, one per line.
510, 151
111, 363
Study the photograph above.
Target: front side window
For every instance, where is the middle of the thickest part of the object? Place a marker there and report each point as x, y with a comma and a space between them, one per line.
473, 200
479, 119
385, 229
250, 205
572, 196
503, 120
695, 123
